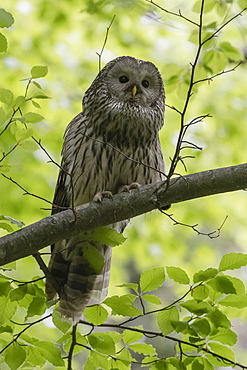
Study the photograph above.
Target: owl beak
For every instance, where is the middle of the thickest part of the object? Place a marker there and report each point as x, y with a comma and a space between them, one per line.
134, 90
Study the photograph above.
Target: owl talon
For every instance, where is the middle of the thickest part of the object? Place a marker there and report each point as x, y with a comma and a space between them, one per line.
101, 195
127, 188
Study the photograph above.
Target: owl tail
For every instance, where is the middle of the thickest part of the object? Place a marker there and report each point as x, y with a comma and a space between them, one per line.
83, 275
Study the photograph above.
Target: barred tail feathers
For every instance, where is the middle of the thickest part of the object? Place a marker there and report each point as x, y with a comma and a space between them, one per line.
81, 284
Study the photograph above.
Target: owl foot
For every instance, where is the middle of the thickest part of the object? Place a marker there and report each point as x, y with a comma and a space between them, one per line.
101, 195
127, 188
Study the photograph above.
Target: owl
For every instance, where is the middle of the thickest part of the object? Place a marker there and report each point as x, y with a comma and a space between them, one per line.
112, 143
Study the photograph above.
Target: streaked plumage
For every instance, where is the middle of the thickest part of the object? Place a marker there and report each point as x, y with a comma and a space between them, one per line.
122, 113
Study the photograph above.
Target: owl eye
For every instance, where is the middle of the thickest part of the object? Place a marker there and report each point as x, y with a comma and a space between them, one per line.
145, 83
123, 79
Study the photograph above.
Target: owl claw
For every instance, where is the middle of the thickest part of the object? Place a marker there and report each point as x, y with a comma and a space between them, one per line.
127, 188
101, 195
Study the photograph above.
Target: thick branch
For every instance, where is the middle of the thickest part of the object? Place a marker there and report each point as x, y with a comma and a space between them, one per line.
32, 238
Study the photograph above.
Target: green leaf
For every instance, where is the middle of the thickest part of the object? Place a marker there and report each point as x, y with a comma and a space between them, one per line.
23, 134
201, 327
152, 279
233, 300
29, 145
102, 343
37, 85
7, 309
233, 261
152, 299
219, 319
215, 60
15, 356
18, 293
6, 226
178, 275
209, 5
19, 100
58, 321
65, 338
80, 340
230, 51
34, 357
200, 292
221, 350
35, 104
204, 275
96, 314
107, 236
221, 8
123, 305
202, 364
93, 256
222, 284
225, 336
238, 285
172, 363
32, 117
130, 336
3, 116
143, 348
6, 329
167, 320
123, 362
6, 19
198, 308
154, 361
129, 285
12, 220
49, 352
6, 96
96, 361
5, 286
40, 96
39, 71
242, 3
37, 307
3, 43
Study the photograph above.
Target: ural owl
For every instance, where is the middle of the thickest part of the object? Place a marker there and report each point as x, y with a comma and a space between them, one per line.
113, 142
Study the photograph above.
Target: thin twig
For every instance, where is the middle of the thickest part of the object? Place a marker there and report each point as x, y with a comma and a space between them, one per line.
10, 151
211, 234
47, 273
217, 74
224, 25
105, 41
26, 192
177, 340
179, 14
61, 169
17, 336
72, 346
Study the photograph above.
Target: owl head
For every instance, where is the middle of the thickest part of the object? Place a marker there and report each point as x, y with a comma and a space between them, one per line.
131, 81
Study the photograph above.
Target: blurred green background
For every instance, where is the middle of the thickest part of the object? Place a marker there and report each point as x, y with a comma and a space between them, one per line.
66, 36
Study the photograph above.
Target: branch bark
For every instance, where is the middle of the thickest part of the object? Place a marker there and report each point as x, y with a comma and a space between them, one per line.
49, 230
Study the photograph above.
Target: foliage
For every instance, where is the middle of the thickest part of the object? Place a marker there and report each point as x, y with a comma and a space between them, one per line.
47, 67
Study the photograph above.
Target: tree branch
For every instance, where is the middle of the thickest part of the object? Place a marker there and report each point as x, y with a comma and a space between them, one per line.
62, 225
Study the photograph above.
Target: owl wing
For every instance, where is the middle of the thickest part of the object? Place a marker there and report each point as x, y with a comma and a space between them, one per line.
62, 196
71, 260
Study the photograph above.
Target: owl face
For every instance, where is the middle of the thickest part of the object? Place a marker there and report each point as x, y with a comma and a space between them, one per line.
134, 81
